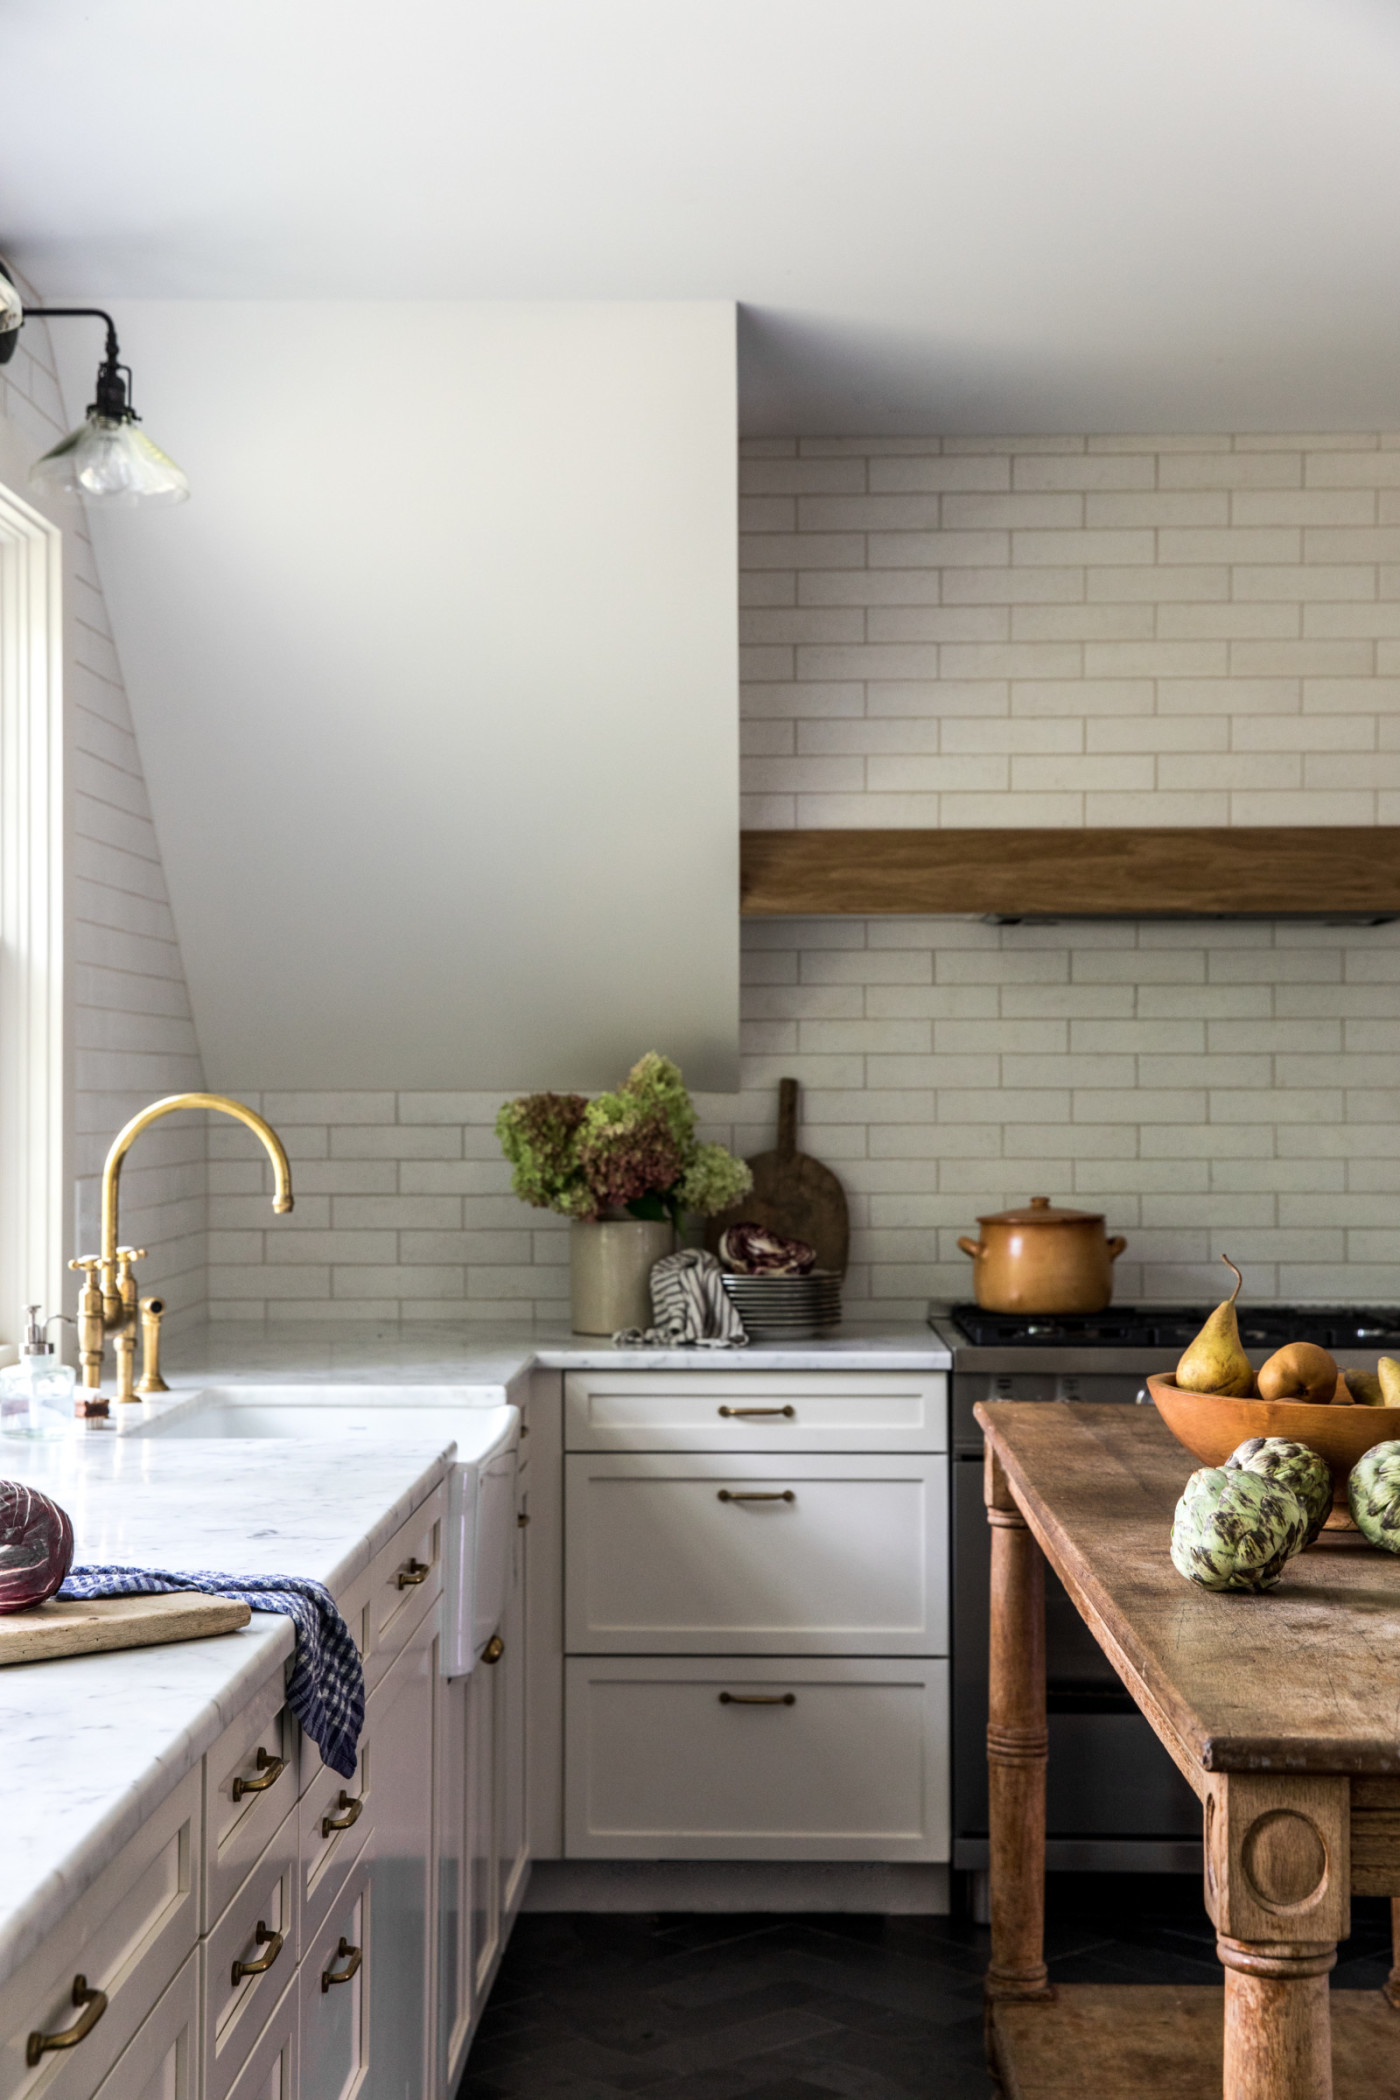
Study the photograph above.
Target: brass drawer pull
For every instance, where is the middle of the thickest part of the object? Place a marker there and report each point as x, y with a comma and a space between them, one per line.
738, 1414
354, 1809
417, 1571
758, 1495
758, 1698
351, 1956
493, 1651
271, 1768
273, 1941
94, 2004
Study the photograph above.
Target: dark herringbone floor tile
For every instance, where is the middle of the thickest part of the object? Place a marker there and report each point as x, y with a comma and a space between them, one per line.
830, 2007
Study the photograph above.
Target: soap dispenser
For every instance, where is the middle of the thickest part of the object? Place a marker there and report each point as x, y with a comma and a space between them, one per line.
36, 1394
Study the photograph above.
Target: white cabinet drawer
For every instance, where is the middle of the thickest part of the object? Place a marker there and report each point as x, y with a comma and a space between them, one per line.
250, 1782
405, 1579
842, 1759
270, 2070
808, 1555
755, 1411
126, 1937
248, 1958
162, 2060
334, 1991
337, 1815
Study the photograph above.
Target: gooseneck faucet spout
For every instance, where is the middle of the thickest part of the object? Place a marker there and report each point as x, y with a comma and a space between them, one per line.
109, 1300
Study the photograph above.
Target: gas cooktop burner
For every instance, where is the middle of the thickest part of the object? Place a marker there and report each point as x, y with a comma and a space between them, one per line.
1131, 1326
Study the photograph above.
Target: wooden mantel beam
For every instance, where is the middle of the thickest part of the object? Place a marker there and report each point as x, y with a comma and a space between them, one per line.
1127, 873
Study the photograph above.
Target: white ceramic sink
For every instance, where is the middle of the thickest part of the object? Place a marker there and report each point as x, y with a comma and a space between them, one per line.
479, 1554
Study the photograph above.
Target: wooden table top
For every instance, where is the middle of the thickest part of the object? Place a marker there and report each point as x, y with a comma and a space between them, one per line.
1305, 1678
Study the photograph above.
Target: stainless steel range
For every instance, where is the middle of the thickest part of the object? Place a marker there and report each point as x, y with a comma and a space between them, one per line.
1115, 1800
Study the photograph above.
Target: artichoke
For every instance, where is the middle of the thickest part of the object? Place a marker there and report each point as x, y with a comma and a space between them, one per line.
1374, 1494
1280, 1458
1234, 1529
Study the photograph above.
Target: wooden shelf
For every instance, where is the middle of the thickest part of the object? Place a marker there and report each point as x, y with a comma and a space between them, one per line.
1114, 873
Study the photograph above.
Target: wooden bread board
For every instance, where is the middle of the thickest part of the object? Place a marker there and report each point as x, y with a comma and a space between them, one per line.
792, 1194
82, 1626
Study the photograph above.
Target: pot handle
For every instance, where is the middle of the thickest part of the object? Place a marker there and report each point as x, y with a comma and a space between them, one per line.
1116, 1246
974, 1247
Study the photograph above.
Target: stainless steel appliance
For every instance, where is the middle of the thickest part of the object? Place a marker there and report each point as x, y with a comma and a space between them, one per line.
1115, 1801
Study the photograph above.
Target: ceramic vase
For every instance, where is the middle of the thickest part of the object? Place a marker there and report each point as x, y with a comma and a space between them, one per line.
610, 1265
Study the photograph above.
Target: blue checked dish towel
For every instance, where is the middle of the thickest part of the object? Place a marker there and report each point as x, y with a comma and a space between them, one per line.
326, 1691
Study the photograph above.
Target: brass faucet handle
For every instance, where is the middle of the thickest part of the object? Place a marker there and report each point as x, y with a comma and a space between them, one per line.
86, 1262
130, 1254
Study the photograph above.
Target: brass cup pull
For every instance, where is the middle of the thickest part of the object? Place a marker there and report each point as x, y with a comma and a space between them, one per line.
417, 1571
354, 1809
273, 1942
758, 1698
94, 2004
738, 1414
493, 1651
271, 1768
758, 1495
351, 1956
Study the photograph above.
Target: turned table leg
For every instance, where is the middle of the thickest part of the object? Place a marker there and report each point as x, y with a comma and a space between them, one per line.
1017, 1749
1278, 1886
1391, 1986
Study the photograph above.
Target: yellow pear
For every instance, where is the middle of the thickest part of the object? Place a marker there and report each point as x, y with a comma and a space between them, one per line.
1215, 1362
1364, 1386
1388, 1372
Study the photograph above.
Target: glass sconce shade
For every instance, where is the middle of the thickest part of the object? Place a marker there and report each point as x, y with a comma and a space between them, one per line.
109, 460
11, 319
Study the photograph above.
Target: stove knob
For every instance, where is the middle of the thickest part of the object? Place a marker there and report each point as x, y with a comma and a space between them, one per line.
1144, 1398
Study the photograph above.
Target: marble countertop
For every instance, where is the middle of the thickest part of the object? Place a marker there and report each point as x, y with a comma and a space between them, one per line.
294, 1352
94, 1743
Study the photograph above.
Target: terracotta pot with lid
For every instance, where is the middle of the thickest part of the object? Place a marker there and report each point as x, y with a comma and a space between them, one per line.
1043, 1260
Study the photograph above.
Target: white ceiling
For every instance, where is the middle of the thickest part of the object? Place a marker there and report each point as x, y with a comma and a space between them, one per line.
955, 215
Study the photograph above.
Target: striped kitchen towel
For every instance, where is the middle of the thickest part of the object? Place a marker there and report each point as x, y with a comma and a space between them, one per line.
326, 1690
689, 1307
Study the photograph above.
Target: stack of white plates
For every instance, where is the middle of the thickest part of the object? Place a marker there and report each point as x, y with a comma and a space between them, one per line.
786, 1308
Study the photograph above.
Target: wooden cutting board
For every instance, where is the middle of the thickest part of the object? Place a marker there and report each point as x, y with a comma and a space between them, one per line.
792, 1194
84, 1625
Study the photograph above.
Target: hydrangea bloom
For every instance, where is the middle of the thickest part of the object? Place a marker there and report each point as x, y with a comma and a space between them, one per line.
632, 1150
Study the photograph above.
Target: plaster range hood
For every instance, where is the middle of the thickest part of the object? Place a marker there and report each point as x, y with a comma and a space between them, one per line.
1310, 873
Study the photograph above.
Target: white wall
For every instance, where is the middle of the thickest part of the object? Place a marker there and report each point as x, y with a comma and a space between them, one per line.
1013, 632
436, 682
129, 1027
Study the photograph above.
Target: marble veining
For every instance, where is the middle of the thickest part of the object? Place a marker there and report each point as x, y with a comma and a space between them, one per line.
94, 1743
462, 1354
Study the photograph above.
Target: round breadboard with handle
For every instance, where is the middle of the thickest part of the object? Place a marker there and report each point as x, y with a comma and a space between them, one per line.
792, 1194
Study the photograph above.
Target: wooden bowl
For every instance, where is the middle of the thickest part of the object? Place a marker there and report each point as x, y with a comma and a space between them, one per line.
1212, 1425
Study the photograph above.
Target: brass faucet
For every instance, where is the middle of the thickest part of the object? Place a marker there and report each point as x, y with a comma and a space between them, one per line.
109, 1302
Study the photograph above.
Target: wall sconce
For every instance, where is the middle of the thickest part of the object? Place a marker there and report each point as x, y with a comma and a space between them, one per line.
106, 459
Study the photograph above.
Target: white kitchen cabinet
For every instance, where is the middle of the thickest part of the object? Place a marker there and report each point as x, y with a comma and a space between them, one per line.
755, 1615
161, 2062
710, 1554
270, 2069
126, 1938
249, 1958
334, 1984
755, 1411
399, 1852
741, 1758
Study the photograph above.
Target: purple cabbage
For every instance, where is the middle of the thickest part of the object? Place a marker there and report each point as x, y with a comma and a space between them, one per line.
36, 1546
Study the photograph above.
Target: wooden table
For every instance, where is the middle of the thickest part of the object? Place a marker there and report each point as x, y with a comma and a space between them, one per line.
1282, 1713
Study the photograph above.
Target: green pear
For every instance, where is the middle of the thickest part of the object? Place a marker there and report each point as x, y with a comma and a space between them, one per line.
1215, 1362
1365, 1387
1388, 1372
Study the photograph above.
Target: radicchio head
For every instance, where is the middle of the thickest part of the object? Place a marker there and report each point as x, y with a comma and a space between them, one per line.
36, 1546
752, 1250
